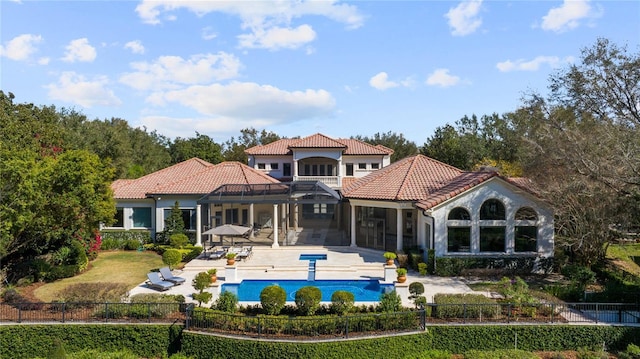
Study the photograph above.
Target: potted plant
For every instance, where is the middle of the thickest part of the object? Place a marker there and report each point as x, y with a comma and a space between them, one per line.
389, 256
402, 275
213, 272
231, 258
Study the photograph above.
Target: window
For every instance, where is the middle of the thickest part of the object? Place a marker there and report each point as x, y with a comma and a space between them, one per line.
189, 217
307, 170
231, 216
375, 166
459, 214
317, 210
262, 166
330, 170
314, 170
526, 214
322, 173
526, 238
492, 239
492, 209
362, 166
286, 169
349, 169
274, 166
141, 217
459, 239
119, 218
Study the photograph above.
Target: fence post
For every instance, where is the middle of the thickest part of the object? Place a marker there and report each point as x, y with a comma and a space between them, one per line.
509, 313
553, 311
106, 312
64, 307
597, 315
423, 319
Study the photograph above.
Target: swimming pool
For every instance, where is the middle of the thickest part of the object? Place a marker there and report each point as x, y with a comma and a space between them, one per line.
363, 290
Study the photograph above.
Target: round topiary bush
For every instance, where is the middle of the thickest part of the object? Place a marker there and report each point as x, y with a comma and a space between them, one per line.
273, 299
308, 300
171, 257
179, 240
342, 301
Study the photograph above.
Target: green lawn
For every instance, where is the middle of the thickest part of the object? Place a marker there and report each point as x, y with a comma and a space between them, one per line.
129, 267
626, 256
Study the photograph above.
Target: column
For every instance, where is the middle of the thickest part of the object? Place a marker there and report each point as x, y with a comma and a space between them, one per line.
353, 225
198, 225
295, 215
251, 220
399, 229
275, 226
295, 169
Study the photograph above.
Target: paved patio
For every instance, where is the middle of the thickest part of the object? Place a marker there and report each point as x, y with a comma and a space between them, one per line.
284, 263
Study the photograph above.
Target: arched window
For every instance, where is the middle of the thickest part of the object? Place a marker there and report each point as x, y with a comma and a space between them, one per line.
492, 234
526, 230
459, 214
526, 214
492, 209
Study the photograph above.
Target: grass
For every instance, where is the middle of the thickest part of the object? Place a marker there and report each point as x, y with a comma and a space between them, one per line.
128, 267
623, 255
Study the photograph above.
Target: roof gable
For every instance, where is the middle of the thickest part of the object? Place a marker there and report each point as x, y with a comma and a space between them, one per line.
317, 141
410, 179
349, 146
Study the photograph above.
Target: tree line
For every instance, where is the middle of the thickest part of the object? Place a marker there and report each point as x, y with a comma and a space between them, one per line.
578, 144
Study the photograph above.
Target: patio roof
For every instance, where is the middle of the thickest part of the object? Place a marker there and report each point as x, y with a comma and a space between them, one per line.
292, 192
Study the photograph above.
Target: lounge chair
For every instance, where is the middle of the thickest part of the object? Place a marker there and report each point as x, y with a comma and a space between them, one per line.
244, 253
156, 282
168, 276
217, 254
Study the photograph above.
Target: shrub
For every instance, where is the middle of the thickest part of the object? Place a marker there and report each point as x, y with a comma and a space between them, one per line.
389, 255
93, 292
390, 302
430, 354
499, 354
202, 297
431, 261
308, 300
193, 254
273, 299
171, 257
40, 269
342, 301
131, 245
422, 268
415, 289
227, 302
465, 306
61, 256
178, 240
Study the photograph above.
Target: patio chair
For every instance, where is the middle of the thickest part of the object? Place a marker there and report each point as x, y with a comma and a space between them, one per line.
168, 276
156, 282
218, 253
244, 253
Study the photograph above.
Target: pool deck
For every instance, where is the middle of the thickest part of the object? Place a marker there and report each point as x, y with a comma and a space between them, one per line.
284, 263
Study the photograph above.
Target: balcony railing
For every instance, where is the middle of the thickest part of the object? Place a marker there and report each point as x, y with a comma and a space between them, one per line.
331, 181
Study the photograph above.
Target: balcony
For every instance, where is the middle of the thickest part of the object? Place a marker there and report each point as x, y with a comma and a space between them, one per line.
331, 181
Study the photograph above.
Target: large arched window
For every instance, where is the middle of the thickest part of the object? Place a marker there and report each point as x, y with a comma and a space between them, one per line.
459, 231
526, 230
492, 226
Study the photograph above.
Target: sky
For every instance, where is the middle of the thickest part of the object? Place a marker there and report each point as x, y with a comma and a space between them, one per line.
296, 67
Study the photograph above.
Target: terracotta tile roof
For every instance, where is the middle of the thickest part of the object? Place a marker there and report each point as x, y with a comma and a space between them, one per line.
193, 176
410, 179
458, 185
316, 141
350, 146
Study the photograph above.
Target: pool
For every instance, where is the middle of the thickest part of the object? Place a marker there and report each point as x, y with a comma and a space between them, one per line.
363, 290
312, 257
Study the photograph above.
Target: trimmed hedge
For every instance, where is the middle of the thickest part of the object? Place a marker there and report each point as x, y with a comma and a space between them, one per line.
148, 341
455, 266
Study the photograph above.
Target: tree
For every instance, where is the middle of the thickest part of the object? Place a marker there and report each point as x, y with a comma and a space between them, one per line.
174, 224
201, 146
584, 147
250, 137
401, 146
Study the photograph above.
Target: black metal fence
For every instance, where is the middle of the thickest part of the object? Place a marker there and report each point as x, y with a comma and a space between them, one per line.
320, 327
93, 312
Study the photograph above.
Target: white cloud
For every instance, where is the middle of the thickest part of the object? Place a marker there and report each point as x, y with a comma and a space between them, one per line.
169, 72
463, 19
532, 65
442, 78
567, 16
79, 50
76, 89
135, 46
208, 33
269, 22
247, 101
381, 82
21, 47
276, 38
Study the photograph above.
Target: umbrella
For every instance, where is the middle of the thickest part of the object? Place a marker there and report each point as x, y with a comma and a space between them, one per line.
230, 230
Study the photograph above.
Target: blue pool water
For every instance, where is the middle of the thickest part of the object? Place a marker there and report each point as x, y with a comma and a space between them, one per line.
363, 290
312, 257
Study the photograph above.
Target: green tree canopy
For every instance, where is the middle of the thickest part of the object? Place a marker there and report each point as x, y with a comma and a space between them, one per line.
401, 146
250, 137
201, 146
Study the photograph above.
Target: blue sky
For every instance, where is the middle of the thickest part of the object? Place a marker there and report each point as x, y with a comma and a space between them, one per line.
296, 67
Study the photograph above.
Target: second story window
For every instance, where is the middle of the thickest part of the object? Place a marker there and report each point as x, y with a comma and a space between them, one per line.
261, 166
362, 166
274, 166
349, 169
286, 169
375, 166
